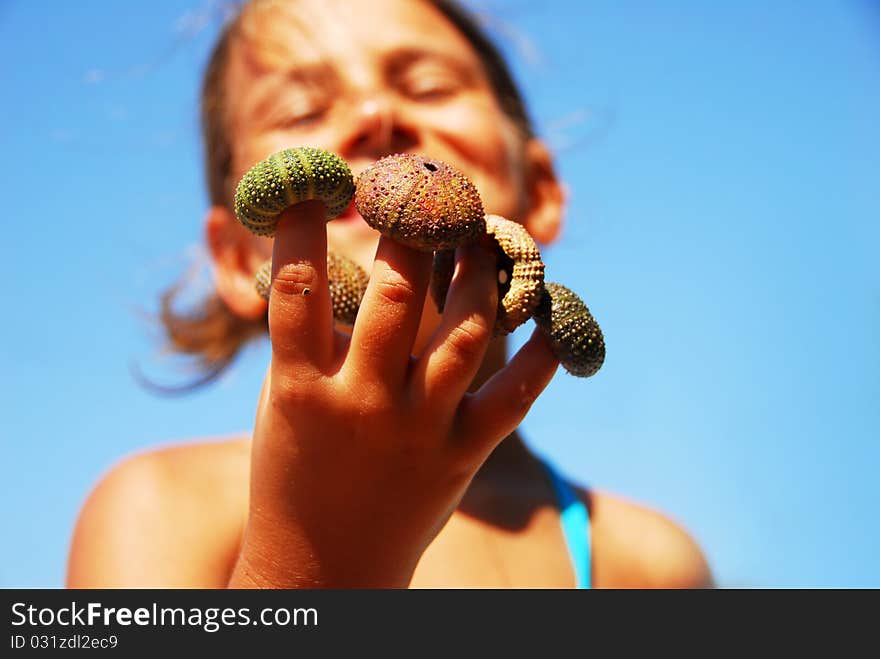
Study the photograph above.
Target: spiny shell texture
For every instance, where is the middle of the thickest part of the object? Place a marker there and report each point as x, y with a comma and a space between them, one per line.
574, 334
263, 280
347, 280
289, 177
419, 202
520, 274
523, 279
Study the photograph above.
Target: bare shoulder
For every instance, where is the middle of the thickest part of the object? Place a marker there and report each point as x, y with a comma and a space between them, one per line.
635, 546
158, 517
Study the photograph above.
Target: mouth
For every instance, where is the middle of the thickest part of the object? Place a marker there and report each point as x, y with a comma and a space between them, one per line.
351, 222
349, 215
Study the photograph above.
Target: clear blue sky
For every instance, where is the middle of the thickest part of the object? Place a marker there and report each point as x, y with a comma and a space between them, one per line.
724, 167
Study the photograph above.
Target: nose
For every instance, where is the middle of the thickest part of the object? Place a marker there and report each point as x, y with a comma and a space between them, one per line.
378, 128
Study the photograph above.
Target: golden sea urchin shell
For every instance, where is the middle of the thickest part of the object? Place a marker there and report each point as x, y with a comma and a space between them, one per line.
425, 204
521, 268
520, 274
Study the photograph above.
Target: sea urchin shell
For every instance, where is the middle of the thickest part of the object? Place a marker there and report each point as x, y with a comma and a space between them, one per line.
287, 178
520, 274
575, 336
425, 204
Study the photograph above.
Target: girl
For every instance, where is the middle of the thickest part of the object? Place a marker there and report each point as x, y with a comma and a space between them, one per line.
387, 456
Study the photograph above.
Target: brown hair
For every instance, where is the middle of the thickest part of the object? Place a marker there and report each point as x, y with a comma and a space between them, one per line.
212, 332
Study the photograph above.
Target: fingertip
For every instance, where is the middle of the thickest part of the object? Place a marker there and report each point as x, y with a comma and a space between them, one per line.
476, 274
413, 264
480, 257
301, 234
536, 357
540, 345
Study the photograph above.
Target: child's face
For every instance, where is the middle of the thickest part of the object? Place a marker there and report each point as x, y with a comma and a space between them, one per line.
365, 79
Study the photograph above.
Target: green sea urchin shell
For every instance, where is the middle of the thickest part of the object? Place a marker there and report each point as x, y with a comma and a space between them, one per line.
289, 177
575, 336
348, 281
425, 204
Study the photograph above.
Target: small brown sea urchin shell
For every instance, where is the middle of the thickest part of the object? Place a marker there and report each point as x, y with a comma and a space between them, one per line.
520, 274
347, 280
422, 203
263, 280
574, 334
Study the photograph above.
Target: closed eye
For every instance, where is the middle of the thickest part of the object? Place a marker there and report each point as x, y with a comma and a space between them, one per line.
295, 110
286, 120
431, 88
427, 77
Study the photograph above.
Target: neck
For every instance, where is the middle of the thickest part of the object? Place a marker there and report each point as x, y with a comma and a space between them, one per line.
510, 454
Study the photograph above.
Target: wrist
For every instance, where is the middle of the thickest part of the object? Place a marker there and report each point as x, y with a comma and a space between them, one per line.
275, 556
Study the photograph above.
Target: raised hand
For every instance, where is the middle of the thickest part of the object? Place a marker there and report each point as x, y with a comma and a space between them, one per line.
362, 451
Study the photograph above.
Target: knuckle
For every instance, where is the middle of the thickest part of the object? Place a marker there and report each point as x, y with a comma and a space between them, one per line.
469, 338
374, 402
295, 279
294, 390
526, 395
395, 289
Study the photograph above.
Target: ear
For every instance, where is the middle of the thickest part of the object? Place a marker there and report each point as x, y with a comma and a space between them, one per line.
236, 261
546, 195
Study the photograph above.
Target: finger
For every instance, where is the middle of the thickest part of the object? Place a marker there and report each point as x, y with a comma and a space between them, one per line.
492, 413
388, 319
300, 312
456, 350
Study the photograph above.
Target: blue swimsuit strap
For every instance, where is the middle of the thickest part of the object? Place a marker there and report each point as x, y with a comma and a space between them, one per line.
575, 520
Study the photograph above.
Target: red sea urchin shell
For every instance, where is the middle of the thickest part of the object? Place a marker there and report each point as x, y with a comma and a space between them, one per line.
423, 203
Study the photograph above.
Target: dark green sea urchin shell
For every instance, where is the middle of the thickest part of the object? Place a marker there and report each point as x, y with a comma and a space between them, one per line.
289, 177
575, 336
422, 203
347, 279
